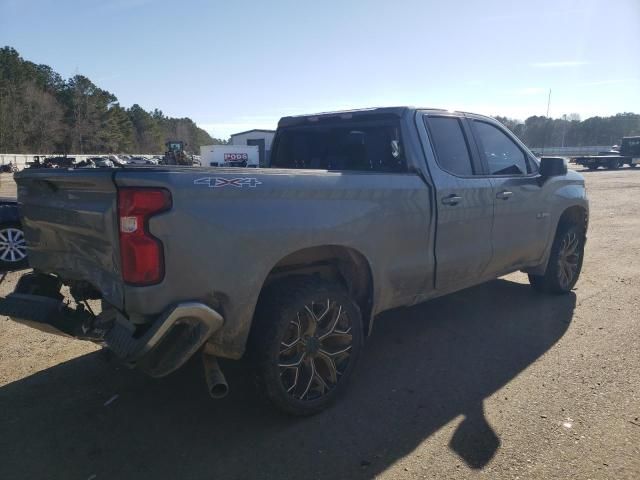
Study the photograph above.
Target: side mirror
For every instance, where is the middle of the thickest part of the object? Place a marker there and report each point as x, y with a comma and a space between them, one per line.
553, 166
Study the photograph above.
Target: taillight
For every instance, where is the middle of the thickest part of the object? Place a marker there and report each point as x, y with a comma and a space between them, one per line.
141, 253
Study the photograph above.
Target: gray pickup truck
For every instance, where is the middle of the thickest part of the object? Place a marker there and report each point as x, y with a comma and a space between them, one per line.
360, 212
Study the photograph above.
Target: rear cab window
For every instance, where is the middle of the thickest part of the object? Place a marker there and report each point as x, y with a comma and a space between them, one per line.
450, 145
344, 145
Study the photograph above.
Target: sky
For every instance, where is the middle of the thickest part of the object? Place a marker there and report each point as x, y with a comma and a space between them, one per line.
237, 65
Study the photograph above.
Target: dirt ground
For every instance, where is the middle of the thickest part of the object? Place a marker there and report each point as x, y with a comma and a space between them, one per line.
7, 185
496, 381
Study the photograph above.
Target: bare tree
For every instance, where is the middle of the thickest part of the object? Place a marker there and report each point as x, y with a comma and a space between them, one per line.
44, 125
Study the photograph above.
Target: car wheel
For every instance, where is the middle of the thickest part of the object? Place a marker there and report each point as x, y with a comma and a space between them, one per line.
565, 261
13, 248
305, 343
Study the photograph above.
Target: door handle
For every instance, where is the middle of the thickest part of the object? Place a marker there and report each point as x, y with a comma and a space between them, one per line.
452, 199
504, 195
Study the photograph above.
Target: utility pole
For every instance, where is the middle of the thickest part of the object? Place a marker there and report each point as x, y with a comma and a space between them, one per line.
546, 124
548, 103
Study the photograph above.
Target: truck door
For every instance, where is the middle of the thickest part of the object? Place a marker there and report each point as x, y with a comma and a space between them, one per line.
521, 217
464, 203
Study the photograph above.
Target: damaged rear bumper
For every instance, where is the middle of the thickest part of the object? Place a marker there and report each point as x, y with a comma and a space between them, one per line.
162, 348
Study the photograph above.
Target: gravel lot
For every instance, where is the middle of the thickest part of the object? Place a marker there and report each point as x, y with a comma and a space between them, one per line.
496, 381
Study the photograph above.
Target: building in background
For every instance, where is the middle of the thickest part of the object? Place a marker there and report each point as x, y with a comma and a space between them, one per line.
261, 138
229, 156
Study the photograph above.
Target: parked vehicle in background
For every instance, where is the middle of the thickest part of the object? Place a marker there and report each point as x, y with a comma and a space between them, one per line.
628, 154
229, 156
86, 163
175, 154
13, 249
103, 163
117, 160
52, 162
8, 168
97, 162
362, 211
140, 161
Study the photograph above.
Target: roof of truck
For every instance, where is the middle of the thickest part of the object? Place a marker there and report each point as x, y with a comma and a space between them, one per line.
344, 114
348, 114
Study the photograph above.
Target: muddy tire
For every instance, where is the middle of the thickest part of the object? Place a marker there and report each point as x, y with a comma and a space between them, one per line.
305, 343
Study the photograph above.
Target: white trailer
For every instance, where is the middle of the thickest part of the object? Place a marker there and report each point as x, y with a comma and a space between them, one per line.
229, 156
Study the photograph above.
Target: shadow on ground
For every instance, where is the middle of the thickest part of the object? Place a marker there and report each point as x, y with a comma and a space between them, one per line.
423, 367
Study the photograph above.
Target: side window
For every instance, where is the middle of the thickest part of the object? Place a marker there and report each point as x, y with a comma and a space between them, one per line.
503, 156
450, 144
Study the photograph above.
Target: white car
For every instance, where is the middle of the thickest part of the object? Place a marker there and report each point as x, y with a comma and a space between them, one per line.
103, 163
140, 161
117, 160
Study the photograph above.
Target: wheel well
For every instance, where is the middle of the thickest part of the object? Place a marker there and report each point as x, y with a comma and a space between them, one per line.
335, 263
575, 215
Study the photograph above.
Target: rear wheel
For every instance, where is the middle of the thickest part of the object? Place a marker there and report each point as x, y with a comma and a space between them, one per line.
305, 343
565, 261
13, 248
613, 164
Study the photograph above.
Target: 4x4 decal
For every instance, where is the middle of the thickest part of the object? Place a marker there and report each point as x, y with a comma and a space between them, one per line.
216, 182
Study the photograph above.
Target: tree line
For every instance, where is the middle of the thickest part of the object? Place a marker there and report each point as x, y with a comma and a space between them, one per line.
41, 112
570, 131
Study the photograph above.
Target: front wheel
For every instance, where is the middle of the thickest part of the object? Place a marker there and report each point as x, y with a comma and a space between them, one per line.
565, 261
306, 341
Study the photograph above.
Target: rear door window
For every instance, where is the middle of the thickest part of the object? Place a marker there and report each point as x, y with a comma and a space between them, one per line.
450, 144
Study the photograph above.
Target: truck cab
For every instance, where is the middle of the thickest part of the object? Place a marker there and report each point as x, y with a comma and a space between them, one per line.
630, 147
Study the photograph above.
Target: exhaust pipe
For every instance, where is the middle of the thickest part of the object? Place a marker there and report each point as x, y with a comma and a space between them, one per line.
216, 383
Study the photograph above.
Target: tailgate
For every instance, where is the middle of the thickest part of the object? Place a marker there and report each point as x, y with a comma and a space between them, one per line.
70, 224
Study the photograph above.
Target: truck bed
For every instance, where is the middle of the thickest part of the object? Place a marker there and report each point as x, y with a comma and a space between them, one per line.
224, 223
610, 161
